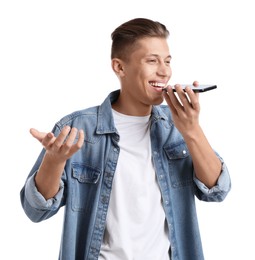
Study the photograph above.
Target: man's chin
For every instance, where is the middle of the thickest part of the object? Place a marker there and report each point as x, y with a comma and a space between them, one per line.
158, 101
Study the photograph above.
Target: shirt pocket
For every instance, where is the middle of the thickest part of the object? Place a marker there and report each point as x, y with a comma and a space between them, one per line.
84, 186
179, 164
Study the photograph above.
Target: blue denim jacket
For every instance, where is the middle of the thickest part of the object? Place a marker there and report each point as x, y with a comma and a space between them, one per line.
87, 181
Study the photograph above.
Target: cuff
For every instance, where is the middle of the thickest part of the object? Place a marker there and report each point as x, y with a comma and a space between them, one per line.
36, 199
222, 185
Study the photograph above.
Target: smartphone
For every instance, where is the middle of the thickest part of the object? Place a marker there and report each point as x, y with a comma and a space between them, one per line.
200, 88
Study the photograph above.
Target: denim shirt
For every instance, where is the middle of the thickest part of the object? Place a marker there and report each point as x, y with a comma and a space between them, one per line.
87, 179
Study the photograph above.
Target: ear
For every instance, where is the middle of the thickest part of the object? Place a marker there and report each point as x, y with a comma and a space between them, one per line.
117, 66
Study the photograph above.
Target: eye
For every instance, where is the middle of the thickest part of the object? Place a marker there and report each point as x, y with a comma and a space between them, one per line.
152, 60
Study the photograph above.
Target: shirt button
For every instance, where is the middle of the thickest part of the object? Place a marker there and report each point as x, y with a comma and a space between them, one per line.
104, 200
184, 152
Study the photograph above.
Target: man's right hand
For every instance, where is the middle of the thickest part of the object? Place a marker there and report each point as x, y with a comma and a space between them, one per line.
62, 147
58, 150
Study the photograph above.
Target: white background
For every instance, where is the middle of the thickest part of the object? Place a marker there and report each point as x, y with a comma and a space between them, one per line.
55, 59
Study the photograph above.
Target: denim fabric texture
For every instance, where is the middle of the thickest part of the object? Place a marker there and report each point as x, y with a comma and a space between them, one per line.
86, 184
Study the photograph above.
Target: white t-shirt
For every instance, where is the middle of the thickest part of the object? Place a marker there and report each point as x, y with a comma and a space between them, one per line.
136, 228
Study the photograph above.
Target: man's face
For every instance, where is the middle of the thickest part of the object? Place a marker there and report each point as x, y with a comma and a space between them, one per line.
146, 72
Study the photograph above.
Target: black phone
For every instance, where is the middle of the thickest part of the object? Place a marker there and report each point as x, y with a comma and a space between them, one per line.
198, 89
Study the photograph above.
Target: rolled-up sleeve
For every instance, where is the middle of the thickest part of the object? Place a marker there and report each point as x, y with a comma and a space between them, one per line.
219, 191
35, 198
36, 207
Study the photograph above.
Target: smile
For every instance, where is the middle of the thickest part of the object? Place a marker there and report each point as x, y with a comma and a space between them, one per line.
159, 86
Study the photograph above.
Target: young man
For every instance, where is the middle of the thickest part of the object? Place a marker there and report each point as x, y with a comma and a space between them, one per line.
128, 171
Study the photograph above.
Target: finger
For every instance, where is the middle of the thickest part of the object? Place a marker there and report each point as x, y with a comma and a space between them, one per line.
61, 138
168, 100
70, 140
196, 83
194, 98
79, 143
40, 135
183, 97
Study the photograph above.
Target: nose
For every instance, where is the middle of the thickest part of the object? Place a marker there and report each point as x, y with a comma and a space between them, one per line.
164, 70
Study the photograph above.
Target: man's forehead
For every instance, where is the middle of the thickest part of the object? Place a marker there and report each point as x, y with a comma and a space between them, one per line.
149, 47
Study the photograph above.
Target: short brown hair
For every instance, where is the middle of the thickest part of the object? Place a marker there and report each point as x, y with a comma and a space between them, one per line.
126, 35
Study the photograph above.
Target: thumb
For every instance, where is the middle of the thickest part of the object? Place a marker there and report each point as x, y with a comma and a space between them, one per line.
38, 135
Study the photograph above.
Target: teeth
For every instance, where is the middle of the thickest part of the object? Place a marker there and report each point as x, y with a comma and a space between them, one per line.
158, 84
